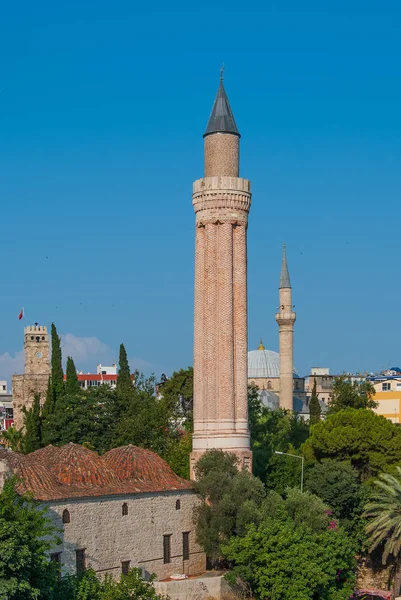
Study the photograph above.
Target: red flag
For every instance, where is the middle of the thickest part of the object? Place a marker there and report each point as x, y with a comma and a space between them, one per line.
21, 314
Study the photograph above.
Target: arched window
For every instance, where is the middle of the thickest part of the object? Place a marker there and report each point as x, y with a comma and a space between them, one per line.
269, 385
124, 509
66, 516
178, 505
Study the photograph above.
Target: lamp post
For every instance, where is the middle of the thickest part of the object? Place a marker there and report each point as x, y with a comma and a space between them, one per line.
302, 465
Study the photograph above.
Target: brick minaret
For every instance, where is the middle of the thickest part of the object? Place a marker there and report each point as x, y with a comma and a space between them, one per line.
286, 319
221, 202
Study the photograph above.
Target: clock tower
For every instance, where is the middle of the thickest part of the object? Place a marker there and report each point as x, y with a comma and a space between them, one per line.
36, 373
36, 350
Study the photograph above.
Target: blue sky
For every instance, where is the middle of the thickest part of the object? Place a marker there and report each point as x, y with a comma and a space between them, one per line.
102, 110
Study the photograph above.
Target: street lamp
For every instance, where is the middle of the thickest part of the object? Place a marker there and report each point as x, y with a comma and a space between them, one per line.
302, 465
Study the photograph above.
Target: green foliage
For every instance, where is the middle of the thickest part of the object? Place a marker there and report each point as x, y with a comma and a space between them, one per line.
57, 375
283, 559
87, 586
230, 501
177, 453
315, 410
273, 430
178, 393
383, 513
347, 394
124, 381
72, 384
75, 419
33, 426
337, 484
25, 538
369, 442
14, 439
145, 420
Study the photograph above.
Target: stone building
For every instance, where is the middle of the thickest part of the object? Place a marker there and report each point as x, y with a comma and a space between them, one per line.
36, 371
221, 200
121, 510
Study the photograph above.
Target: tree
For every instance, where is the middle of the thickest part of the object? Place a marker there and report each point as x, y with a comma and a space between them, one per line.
71, 385
315, 410
284, 559
141, 418
347, 394
75, 419
14, 438
273, 430
383, 512
230, 501
178, 392
124, 381
26, 536
57, 375
369, 442
33, 426
337, 484
87, 586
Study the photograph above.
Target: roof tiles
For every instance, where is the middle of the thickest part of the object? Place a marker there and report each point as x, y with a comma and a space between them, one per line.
73, 471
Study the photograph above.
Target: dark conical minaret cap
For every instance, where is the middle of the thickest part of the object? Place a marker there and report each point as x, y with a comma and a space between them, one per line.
221, 119
285, 276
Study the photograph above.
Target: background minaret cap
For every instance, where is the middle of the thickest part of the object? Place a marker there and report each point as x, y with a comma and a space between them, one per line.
285, 276
221, 119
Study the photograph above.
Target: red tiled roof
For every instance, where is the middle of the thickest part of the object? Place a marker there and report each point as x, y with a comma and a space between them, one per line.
94, 377
73, 471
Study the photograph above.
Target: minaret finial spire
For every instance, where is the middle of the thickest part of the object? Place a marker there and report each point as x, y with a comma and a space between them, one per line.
285, 276
222, 72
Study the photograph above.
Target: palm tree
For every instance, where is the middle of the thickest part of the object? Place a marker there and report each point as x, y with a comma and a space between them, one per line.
384, 526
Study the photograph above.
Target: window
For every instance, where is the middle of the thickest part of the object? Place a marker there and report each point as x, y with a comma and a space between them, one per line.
178, 505
269, 385
104, 372
125, 567
166, 548
386, 387
43, 338
124, 509
38, 338
80, 560
66, 516
185, 545
56, 558
399, 385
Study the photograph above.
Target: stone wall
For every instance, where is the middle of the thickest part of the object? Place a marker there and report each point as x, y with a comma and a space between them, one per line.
24, 388
109, 538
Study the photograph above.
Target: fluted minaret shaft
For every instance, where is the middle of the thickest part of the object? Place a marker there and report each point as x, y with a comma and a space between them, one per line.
285, 318
221, 201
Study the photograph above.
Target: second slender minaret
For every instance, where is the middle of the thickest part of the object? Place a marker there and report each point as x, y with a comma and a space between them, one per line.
221, 200
286, 319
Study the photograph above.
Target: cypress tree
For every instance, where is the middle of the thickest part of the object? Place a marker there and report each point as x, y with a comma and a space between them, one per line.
314, 407
33, 427
71, 386
56, 365
124, 374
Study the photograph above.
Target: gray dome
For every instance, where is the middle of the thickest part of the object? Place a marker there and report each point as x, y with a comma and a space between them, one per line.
264, 363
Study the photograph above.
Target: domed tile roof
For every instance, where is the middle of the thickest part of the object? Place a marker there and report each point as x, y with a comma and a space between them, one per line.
76, 465
73, 471
264, 363
134, 463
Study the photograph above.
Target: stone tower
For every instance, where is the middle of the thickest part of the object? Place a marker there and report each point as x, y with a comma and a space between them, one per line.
286, 319
36, 372
221, 200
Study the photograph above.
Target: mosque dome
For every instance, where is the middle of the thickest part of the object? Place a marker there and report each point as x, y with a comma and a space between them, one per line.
264, 363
